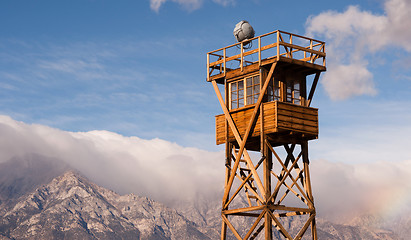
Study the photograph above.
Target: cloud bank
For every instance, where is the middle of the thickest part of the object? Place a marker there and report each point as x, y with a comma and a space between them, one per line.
345, 191
170, 173
155, 168
352, 37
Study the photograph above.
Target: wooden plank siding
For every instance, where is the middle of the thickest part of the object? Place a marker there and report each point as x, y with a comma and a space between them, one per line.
278, 117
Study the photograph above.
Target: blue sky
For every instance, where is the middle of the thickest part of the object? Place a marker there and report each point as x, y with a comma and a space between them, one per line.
137, 68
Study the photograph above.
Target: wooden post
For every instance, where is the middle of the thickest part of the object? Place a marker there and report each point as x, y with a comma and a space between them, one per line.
308, 189
259, 51
208, 66
267, 172
265, 153
278, 45
242, 57
224, 57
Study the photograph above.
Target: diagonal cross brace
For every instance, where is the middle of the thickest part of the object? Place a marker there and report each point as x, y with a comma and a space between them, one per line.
241, 142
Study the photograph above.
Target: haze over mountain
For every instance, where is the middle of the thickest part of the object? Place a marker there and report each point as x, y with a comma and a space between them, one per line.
134, 165
175, 176
73, 207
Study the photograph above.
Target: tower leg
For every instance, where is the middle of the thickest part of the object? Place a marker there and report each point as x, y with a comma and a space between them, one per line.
228, 152
308, 189
223, 231
267, 172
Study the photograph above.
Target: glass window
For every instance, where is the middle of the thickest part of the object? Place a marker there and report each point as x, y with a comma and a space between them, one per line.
237, 94
244, 92
293, 92
253, 89
273, 91
296, 93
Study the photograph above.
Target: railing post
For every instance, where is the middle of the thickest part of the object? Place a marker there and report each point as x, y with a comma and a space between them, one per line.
311, 54
291, 49
259, 51
224, 56
278, 45
208, 67
242, 57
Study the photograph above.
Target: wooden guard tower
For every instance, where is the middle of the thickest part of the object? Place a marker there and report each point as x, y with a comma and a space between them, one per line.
269, 82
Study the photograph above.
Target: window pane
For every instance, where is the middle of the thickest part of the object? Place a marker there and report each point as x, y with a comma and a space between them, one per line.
240, 93
249, 82
289, 96
241, 102
256, 79
233, 86
270, 89
250, 100
297, 86
249, 91
234, 104
256, 98
256, 88
240, 85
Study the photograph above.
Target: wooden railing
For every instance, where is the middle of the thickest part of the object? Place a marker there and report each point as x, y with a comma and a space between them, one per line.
275, 44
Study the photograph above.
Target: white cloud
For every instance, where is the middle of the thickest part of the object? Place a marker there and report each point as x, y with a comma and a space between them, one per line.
189, 5
353, 36
156, 4
168, 172
345, 80
156, 168
343, 191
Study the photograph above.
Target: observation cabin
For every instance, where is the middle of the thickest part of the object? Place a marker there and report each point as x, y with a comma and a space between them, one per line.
284, 68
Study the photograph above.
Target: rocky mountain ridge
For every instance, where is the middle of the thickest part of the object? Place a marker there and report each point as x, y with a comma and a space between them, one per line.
69, 206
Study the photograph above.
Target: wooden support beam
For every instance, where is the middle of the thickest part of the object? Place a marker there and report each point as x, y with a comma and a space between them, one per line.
308, 185
284, 178
286, 162
302, 231
250, 188
288, 174
239, 140
313, 86
256, 222
281, 228
237, 136
241, 186
290, 209
290, 189
231, 227
240, 210
223, 230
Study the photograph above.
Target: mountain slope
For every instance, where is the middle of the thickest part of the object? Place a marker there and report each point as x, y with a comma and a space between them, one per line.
23, 174
71, 207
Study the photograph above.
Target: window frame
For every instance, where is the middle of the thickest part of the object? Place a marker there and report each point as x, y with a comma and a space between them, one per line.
274, 90
255, 92
293, 93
